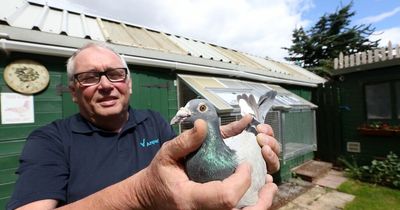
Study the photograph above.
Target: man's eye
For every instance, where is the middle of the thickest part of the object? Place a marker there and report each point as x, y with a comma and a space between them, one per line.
88, 76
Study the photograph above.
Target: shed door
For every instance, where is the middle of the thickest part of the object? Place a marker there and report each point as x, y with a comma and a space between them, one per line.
154, 90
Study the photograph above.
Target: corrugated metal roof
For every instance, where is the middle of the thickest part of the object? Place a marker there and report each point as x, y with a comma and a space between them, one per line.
238, 58
199, 49
33, 15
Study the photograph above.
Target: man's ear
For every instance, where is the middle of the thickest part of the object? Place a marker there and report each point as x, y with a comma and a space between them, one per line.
73, 93
130, 86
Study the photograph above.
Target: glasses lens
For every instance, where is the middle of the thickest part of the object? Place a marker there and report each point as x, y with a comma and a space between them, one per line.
88, 78
116, 75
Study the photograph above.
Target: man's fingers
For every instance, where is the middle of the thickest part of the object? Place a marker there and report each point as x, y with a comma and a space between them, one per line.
266, 129
226, 193
265, 195
186, 142
271, 158
234, 128
264, 139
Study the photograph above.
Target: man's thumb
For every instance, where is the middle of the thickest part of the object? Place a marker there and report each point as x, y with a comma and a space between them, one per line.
186, 142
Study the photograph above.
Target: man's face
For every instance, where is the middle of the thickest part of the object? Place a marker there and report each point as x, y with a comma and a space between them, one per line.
105, 98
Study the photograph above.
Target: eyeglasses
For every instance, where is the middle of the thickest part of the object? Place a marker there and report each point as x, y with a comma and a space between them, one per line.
93, 77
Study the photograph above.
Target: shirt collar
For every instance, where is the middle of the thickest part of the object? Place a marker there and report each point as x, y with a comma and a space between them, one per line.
81, 125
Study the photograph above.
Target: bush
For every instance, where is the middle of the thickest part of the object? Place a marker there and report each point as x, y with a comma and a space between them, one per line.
384, 172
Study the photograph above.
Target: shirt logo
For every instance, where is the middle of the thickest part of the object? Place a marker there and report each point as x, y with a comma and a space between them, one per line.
148, 143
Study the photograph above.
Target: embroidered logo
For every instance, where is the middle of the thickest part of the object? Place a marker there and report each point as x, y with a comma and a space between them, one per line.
148, 143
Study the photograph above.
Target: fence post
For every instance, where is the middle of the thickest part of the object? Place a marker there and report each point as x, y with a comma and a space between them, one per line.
358, 58
376, 55
346, 61
370, 58
363, 57
390, 50
340, 60
335, 63
383, 54
351, 59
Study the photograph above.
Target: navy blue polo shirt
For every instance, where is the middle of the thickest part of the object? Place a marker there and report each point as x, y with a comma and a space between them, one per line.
70, 159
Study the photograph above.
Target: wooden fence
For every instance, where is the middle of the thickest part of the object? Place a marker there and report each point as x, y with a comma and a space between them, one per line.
370, 56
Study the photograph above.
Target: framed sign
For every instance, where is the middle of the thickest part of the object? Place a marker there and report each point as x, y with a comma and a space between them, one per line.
16, 108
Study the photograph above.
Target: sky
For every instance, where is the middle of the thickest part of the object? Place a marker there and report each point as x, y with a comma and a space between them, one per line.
258, 27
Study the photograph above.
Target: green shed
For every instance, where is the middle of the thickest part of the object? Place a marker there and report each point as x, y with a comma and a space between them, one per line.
360, 108
47, 34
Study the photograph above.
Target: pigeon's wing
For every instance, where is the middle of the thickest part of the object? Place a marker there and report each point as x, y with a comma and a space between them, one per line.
265, 103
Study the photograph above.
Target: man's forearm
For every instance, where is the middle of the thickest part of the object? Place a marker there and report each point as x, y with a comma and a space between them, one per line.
122, 195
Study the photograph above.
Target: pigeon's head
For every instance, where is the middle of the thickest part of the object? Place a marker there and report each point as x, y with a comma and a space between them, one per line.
193, 110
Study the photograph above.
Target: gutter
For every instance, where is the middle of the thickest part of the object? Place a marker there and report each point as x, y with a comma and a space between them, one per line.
9, 45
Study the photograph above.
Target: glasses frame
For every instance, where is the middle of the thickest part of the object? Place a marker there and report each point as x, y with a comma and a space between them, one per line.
100, 74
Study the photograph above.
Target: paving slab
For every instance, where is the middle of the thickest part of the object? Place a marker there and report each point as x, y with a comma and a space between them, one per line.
333, 179
319, 198
312, 169
321, 194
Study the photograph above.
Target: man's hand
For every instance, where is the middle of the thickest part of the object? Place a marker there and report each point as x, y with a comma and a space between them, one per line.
165, 185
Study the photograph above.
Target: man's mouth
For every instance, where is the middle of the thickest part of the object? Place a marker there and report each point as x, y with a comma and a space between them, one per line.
107, 101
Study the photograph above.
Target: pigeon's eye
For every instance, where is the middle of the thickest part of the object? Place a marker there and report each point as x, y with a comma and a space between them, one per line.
202, 108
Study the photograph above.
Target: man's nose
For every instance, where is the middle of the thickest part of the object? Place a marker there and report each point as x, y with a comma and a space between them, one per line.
104, 82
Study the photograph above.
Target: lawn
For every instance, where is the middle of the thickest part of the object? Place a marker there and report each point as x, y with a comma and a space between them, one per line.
370, 197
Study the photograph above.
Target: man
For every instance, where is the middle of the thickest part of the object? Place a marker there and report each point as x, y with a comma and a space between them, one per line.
99, 159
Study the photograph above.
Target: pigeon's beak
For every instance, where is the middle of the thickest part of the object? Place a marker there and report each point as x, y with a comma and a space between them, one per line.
181, 116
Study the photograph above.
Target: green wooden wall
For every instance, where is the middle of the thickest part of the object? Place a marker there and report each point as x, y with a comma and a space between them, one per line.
304, 92
342, 109
353, 113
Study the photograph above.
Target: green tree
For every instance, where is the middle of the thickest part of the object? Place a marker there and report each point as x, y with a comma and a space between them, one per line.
316, 48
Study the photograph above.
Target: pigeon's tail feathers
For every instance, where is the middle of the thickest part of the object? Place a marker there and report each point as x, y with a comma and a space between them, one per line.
248, 105
265, 103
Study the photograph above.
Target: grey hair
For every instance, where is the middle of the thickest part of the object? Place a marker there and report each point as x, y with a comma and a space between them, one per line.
71, 60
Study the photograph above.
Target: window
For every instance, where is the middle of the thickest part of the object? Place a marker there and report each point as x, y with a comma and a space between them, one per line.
397, 89
378, 101
383, 100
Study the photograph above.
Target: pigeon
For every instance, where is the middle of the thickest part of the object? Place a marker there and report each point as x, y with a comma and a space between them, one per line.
216, 159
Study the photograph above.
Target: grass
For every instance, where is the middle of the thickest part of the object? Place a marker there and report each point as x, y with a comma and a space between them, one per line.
370, 196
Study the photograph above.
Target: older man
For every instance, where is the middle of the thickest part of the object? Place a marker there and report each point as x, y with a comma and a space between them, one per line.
96, 159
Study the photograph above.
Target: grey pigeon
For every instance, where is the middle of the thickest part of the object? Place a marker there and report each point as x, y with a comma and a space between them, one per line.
217, 159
